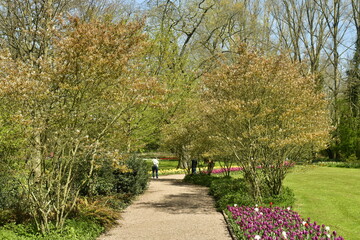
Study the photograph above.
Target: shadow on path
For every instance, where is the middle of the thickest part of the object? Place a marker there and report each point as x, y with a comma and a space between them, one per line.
189, 203
171, 210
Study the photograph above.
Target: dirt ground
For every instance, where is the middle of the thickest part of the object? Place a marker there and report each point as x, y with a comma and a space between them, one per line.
171, 210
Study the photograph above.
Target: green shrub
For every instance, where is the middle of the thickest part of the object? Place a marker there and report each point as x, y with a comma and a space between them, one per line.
286, 198
199, 179
134, 181
229, 191
130, 177
239, 198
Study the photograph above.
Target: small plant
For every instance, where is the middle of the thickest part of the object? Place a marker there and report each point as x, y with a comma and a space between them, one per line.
98, 212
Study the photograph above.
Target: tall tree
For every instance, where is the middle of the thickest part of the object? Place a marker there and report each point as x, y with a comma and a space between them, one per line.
353, 82
300, 29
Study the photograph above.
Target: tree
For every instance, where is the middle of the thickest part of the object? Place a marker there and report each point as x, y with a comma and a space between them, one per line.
300, 29
349, 126
74, 99
264, 111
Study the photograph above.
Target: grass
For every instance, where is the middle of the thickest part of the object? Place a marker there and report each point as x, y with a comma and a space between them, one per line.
163, 164
328, 196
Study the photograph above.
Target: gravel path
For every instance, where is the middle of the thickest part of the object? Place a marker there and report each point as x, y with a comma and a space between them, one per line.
171, 210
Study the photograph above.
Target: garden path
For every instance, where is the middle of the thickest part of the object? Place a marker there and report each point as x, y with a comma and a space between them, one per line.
171, 210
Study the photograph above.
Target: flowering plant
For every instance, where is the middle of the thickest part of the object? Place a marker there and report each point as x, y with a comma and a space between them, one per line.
276, 223
236, 169
170, 171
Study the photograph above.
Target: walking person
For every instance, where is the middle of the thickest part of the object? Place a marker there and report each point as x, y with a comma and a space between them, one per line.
155, 168
193, 166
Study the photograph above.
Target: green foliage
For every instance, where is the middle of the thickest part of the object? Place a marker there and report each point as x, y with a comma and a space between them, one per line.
349, 136
74, 229
230, 191
340, 164
13, 204
131, 177
9, 190
263, 110
134, 181
98, 212
286, 198
199, 179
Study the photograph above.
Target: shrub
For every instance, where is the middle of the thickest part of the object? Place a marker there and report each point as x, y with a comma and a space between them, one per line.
230, 191
131, 177
97, 211
227, 190
202, 179
134, 181
13, 203
286, 198
9, 190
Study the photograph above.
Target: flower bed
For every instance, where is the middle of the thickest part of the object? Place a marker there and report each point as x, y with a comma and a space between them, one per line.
276, 223
222, 170
235, 169
170, 171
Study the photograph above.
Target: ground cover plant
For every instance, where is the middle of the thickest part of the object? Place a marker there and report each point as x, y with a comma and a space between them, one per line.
74, 229
274, 222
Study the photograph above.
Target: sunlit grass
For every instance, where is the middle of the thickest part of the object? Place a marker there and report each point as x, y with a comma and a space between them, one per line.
329, 196
163, 164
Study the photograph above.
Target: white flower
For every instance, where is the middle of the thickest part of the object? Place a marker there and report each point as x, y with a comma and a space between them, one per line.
257, 237
235, 205
284, 234
328, 235
288, 208
256, 209
261, 213
256, 205
303, 223
327, 228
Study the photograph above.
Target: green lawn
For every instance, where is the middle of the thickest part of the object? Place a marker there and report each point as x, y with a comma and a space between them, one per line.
329, 196
163, 164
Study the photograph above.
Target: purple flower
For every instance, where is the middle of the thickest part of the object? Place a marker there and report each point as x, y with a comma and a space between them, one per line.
277, 223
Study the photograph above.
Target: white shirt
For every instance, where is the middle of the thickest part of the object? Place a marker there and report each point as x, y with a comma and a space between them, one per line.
155, 162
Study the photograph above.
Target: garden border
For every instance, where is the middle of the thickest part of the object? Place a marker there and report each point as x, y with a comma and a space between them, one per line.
229, 227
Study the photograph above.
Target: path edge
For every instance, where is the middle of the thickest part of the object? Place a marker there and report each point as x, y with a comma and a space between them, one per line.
229, 227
